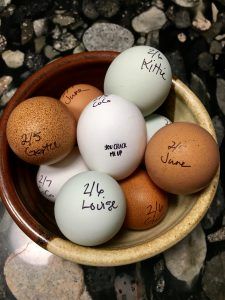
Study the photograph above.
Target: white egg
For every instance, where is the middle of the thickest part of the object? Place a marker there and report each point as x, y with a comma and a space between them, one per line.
90, 208
141, 74
111, 135
50, 178
155, 122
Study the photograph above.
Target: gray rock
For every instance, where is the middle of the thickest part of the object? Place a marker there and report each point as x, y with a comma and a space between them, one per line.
218, 125
107, 36
217, 236
182, 19
13, 59
205, 61
66, 42
213, 31
64, 19
158, 3
59, 279
199, 88
4, 3
141, 40
56, 32
40, 27
39, 44
185, 260
215, 210
7, 96
89, 9
50, 52
213, 281
220, 92
3, 42
80, 48
33, 61
107, 8
5, 81
177, 64
152, 19
26, 31
187, 3
215, 47
153, 39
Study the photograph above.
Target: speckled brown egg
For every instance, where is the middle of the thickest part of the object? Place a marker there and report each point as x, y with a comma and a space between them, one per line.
147, 204
78, 96
182, 158
41, 130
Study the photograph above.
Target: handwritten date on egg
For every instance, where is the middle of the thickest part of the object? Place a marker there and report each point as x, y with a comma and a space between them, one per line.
167, 159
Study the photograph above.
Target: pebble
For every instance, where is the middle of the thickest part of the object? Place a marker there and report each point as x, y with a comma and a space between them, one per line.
7, 96
59, 279
185, 260
152, 19
153, 39
50, 52
39, 44
56, 32
182, 19
215, 210
107, 8
218, 125
213, 280
217, 236
66, 42
205, 61
4, 83
201, 23
177, 64
199, 88
141, 40
182, 37
33, 61
13, 59
5, 3
107, 36
187, 3
26, 31
214, 12
220, 92
3, 43
40, 27
63, 19
80, 48
158, 3
89, 10
215, 47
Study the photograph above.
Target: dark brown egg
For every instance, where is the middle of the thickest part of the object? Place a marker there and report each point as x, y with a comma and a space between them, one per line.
146, 203
41, 130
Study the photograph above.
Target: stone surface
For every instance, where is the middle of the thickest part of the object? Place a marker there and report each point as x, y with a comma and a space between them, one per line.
177, 64
3, 43
215, 210
89, 9
185, 260
60, 279
50, 52
213, 281
7, 96
187, 3
199, 88
13, 59
39, 44
33, 61
40, 27
152, 19
107, 8
220, 92
4, 3
4, 83
182, 19
205, 61
26, 31
79, 48
64, 19
215, 47
107, 36
153, 39
219, 127
66, 42
217, 236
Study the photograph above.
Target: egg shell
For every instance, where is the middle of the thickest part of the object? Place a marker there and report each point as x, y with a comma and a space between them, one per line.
147, 204
90, 208
50, 178
182, 158
153, 123
78, 96
140, 74
111, 135
41, 130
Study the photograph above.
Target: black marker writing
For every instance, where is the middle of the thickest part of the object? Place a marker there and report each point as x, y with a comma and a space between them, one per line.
41, 151
73, 95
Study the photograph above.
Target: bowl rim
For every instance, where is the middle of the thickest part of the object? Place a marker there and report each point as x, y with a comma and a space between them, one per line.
99, 256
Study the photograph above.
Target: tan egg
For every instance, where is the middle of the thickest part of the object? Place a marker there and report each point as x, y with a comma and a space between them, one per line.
78, 96
41, 130
146, 203
182, 158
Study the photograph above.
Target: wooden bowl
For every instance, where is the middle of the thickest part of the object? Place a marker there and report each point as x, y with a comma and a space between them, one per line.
34, 214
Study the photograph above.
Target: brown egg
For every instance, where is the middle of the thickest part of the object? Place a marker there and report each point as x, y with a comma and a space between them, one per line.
41, 130
78, 96
146, 203
182, 158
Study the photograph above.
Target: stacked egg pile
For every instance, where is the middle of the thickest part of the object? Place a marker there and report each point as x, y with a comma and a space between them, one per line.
125, 160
